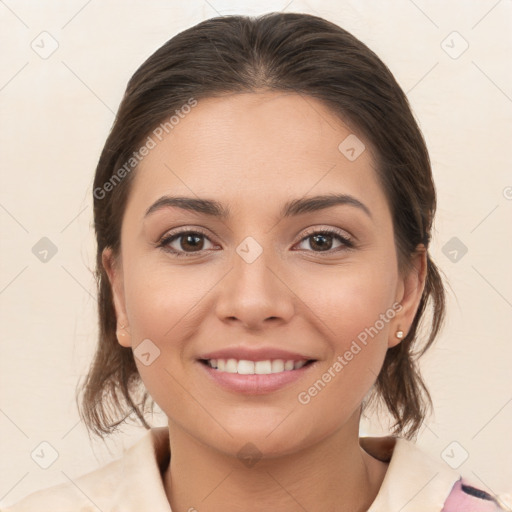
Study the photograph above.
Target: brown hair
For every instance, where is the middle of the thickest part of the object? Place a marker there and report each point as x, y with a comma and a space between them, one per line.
290, 52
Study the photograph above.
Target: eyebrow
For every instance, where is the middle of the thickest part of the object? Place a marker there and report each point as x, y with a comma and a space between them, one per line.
291, 208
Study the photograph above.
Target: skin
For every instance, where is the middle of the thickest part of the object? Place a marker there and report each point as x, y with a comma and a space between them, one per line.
253, 152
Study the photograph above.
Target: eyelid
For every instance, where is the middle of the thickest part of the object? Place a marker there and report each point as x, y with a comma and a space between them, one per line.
328, 229
182, 230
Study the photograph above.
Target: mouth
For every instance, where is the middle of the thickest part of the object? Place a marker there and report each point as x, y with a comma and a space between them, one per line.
256, 377
255, 371
263, 367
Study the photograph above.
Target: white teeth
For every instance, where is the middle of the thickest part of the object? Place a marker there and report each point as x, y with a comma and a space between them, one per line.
231, 366
277, 366
245, 367
262, 367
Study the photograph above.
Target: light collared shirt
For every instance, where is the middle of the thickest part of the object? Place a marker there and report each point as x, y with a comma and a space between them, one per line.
414, 482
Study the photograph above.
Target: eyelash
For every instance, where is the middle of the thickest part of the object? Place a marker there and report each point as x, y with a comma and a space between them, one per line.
167, 239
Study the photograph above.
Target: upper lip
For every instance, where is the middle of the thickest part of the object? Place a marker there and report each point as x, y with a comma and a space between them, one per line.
255, 354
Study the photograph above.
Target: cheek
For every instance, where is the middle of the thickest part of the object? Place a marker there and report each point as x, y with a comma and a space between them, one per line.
358, 316
160, 299
349, 298
354, 308
162, 307
165, 306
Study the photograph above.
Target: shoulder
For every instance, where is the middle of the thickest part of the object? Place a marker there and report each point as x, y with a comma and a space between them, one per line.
83, 493
416, 481
128, 483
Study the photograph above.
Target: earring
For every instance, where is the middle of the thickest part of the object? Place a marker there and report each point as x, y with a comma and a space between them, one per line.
121, 333
399, 334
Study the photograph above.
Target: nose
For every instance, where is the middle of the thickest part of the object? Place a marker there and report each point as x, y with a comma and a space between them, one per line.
255, 292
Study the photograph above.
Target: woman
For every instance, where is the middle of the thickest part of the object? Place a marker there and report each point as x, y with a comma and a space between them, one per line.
263, 209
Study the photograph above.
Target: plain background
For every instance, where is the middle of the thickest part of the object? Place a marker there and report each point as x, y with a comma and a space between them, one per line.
56, 113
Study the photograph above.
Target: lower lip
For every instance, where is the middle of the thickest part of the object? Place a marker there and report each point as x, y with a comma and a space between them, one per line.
255, 384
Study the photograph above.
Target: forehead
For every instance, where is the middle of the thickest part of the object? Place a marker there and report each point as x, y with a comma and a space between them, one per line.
255, 147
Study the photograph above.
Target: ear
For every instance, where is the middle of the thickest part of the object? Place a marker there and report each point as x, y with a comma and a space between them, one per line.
409, 294
114, 270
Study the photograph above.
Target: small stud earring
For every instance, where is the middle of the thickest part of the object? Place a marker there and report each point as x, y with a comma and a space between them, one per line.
399, 334
121, 333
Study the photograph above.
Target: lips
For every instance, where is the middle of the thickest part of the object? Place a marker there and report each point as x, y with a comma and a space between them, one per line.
259, 354
255, 384
255, 371
261, 361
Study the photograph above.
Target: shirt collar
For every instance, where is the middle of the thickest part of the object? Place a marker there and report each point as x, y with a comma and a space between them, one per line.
141, 487
414, 482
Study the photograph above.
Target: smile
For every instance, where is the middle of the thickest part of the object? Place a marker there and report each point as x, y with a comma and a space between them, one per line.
263, 367
255, 377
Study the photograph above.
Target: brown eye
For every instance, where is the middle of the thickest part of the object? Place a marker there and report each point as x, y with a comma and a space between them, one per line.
184, 243
191, 241
323, 240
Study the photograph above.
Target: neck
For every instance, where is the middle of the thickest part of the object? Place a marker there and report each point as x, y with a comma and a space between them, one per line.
334, 474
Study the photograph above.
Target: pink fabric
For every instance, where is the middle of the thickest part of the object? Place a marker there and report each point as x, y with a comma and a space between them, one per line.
460, 501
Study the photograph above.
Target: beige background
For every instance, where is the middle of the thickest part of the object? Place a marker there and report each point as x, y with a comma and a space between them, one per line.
56, 112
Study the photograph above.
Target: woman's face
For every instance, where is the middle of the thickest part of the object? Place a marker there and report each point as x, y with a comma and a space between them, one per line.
264, 282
